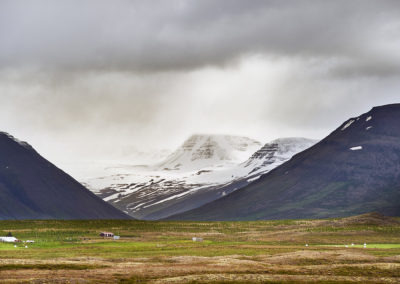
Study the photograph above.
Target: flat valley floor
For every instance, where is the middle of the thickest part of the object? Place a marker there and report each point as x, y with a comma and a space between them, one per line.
289, 251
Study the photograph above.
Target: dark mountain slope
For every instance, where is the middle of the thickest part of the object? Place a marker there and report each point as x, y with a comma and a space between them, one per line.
33, 188
354, 170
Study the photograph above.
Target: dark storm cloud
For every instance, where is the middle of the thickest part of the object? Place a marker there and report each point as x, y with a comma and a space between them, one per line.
176, 34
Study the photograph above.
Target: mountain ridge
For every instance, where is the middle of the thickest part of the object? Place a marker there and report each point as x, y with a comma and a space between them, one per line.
354, 170
33, 188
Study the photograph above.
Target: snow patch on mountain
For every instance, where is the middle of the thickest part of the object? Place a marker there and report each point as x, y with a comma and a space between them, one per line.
356, 148
348, 124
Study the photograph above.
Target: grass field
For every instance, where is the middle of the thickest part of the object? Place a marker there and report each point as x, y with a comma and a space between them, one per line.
232, 252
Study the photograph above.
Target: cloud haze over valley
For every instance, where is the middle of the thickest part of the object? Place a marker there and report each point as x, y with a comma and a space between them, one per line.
98, 79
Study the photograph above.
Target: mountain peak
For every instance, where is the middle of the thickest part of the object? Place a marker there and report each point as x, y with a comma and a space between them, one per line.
276, 152
388, 107
204, 150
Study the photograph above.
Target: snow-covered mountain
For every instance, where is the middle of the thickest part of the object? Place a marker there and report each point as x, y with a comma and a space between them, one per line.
204, 168
200, 151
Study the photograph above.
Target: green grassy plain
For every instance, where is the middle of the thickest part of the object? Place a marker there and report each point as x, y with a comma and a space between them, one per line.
232, 252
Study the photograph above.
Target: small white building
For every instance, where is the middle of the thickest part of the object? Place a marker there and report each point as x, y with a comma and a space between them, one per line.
116, 237
196, 239
8, 239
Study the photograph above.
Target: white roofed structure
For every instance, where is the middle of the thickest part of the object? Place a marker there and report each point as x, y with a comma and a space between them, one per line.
8, 239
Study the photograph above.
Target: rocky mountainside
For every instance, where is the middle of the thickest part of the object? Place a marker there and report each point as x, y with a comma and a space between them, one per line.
356, 169
33, 188
204, 168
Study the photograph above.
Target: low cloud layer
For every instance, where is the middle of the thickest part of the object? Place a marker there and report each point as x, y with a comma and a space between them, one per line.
91, 78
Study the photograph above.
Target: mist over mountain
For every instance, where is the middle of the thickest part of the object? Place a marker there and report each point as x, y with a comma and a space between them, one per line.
101, 76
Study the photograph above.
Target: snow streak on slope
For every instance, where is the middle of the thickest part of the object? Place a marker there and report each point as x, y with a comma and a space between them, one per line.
203, 169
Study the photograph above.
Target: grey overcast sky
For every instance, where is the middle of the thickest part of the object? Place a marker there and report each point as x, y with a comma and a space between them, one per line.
96, 79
